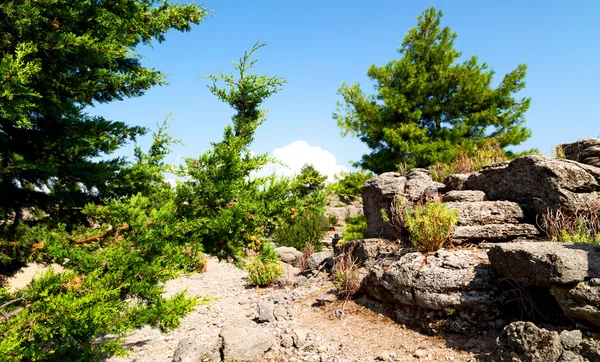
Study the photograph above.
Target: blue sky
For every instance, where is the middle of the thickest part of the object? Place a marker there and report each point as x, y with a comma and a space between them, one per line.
317, 45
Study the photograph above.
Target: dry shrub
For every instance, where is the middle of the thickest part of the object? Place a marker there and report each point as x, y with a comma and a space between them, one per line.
467, 161
581, 225
308, 250
346, 276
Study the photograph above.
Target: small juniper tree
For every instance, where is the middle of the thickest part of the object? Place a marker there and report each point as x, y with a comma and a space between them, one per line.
220, 195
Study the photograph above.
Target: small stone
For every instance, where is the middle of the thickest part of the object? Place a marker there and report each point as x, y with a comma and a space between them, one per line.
571, 339
266, 312
287, 341
328, 297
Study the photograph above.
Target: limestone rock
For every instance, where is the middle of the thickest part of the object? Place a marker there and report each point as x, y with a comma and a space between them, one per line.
328, 297
289, 255
195, 350
585, 151
464, 196
460, 279
581, 302
524, 341
457, 181
487, 212
317, 259
546, 263
245, 343
492, 233
377, 194
365, 251
419, 185
538, 183
266, 312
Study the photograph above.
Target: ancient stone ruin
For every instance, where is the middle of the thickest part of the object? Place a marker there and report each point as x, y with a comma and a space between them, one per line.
541, 297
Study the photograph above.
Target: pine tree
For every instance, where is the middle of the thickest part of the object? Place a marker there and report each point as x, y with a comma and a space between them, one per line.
56, 58
429, 106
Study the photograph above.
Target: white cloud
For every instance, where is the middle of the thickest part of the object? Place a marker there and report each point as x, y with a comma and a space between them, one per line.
298, 153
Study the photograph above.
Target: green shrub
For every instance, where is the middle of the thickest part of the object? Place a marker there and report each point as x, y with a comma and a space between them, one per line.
430, 225
304, 230
264, 268
348, 185
355, 228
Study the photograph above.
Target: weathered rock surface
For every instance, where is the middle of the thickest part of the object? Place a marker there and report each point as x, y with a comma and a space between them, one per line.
538, 183
419, 185
328, 297
245, 343
585, 151
265, 312
524, 341
492, 233
195, 350
366, 251
378, 193
289, 255
462, 280
317, 259
546, 263
456, 181
487, 212
581, 302
464, 196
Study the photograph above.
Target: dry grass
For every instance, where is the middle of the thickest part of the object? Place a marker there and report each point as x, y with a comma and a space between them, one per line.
490, 152
308, 250
582, 225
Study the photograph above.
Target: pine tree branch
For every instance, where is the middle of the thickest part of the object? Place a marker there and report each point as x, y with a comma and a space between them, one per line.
104, 234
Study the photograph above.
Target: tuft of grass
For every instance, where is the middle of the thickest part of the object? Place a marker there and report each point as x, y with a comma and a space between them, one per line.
264, 268
582, 225
346, 275
308, 250
430, 225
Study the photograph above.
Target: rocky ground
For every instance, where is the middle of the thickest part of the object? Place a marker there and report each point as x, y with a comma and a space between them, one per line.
288, 323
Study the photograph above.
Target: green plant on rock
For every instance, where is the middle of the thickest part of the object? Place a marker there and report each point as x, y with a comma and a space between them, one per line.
264, 268
355, 228
582, 226
430, 225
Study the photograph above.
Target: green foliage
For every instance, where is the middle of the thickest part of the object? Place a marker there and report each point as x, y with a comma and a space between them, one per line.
56, 58
304, 230
430, 225
309, 180
355, 228
221, 203
348, 185
428, 106
264, 268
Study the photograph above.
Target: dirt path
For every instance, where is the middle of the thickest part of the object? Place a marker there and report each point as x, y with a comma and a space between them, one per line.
359, 335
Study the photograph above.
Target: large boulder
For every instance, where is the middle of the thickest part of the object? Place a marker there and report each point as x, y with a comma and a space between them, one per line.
487, 212
580, 302
524, 341
245, 343
464, 196
198, 349
318, 259
538, 183
492, 233
546, 263
366, 251
460, 280
378, 193
585, 151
